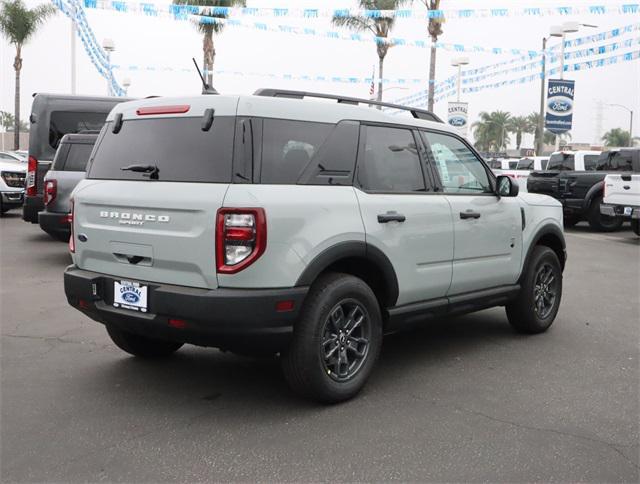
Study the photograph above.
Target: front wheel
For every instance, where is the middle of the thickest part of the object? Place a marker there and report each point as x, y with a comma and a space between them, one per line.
336, 341
142, 346
537, 304
635, 226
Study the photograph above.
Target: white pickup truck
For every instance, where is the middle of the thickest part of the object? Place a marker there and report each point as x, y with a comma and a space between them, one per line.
622, 198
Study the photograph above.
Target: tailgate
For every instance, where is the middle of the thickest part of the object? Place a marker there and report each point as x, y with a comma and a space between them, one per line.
152, 231
544, 182
623, 189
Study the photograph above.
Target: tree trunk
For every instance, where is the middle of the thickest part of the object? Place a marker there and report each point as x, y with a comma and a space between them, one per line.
432, 75
209, 54
17, 65
518, 139
380, 74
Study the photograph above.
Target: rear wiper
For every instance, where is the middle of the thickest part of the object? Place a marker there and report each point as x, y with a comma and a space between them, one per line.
151, 171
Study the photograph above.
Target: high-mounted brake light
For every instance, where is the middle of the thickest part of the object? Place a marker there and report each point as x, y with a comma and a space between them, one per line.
176, 109
50, 191
30, 183
241, 238
72, 239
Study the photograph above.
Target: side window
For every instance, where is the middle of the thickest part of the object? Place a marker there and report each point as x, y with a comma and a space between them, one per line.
287, 148
390, 161
77, 157
64, 122
615, 161
459, 169
561, 162
590, 162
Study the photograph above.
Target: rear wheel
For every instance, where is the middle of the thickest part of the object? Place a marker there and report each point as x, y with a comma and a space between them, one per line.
600, 222
635, 226
536, 307
336, 341
142, 346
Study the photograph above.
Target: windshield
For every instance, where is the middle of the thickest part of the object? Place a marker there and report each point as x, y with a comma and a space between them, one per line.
174, 149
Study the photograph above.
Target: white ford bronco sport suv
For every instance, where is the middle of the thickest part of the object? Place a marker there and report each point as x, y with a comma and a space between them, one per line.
276, 224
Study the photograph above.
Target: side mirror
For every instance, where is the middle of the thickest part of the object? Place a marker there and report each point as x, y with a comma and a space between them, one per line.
507, 186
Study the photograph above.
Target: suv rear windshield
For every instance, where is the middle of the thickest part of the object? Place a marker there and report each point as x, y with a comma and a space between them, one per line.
72, 157
561, 162
178, 147
615, 161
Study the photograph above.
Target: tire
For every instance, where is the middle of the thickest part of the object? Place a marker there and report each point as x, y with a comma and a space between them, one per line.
327, 320
570, 221
524, 314
635, 226
602, 223
142, 346
3, 210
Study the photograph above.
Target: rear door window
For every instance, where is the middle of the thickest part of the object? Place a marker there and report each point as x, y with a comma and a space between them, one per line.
561, 162
288, 147
590, 162
390, 162
178, 147
65, 122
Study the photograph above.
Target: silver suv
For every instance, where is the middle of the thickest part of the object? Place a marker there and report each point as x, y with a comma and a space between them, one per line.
276, 224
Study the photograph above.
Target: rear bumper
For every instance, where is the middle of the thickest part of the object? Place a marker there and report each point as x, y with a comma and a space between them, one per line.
619, 211
32, 206
12, 199
55, 224
223, 318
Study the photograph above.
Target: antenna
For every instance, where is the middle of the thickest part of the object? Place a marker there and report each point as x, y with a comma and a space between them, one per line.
206, 88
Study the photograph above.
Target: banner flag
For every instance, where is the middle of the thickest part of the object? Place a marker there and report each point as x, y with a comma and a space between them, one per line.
559, 105
457, 116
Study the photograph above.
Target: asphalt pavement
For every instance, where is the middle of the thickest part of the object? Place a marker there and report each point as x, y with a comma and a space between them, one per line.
464, 399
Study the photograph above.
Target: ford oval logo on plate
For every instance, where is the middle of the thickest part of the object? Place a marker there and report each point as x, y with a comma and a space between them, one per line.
131, 297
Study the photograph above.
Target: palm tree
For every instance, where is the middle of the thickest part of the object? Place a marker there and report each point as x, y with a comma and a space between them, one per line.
209, 28
8, 121
18, 24
617, 137
549, 138
378, 26
435, 30
491, 130
520, 125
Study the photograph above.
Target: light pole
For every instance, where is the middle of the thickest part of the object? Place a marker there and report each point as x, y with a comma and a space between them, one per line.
459, 62
126, 82
630, 121
109, 47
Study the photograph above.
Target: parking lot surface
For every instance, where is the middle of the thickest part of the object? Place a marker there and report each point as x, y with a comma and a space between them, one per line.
463, 399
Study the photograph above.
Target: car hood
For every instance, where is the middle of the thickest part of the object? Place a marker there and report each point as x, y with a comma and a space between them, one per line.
10, 166
538, 200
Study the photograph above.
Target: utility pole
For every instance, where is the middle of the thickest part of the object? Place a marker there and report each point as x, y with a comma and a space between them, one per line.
543, 81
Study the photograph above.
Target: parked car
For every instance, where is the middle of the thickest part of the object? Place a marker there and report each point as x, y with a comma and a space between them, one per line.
10, 156
499, 164
12, 175
53, 116
67, 169
523, 169
577, 180
622, 190
273, 223
23, 155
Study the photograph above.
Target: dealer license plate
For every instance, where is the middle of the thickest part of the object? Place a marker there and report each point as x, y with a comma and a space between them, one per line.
130, 295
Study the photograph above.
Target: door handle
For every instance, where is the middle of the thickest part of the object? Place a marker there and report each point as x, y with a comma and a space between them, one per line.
469, 214
384, 218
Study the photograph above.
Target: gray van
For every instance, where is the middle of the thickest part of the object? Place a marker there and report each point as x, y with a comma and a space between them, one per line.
67, 169
53, 116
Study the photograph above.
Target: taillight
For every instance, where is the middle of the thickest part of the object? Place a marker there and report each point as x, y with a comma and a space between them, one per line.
32, 168
50, 191
72, 239
241, 237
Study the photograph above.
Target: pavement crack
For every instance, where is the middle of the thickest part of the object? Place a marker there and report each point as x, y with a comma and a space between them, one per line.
52, 339
613, 446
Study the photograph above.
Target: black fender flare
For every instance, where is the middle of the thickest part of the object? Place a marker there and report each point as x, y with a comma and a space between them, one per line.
592, 193
344, 250
547, 229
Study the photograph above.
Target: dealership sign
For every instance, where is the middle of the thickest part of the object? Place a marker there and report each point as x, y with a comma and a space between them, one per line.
559, 105
457, 116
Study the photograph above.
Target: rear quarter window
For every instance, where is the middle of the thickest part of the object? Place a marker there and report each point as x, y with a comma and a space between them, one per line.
77, 157
178, 147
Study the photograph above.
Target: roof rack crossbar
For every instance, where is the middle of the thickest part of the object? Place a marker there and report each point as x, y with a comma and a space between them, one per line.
415, 112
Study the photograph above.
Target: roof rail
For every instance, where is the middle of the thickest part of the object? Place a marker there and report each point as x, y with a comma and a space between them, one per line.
415, 112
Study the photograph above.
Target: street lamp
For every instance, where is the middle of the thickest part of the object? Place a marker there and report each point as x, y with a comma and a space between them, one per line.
630, 121
459, 62
109, 46
126, 82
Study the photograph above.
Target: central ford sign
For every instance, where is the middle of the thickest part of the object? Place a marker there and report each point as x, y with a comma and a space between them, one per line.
559, 114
